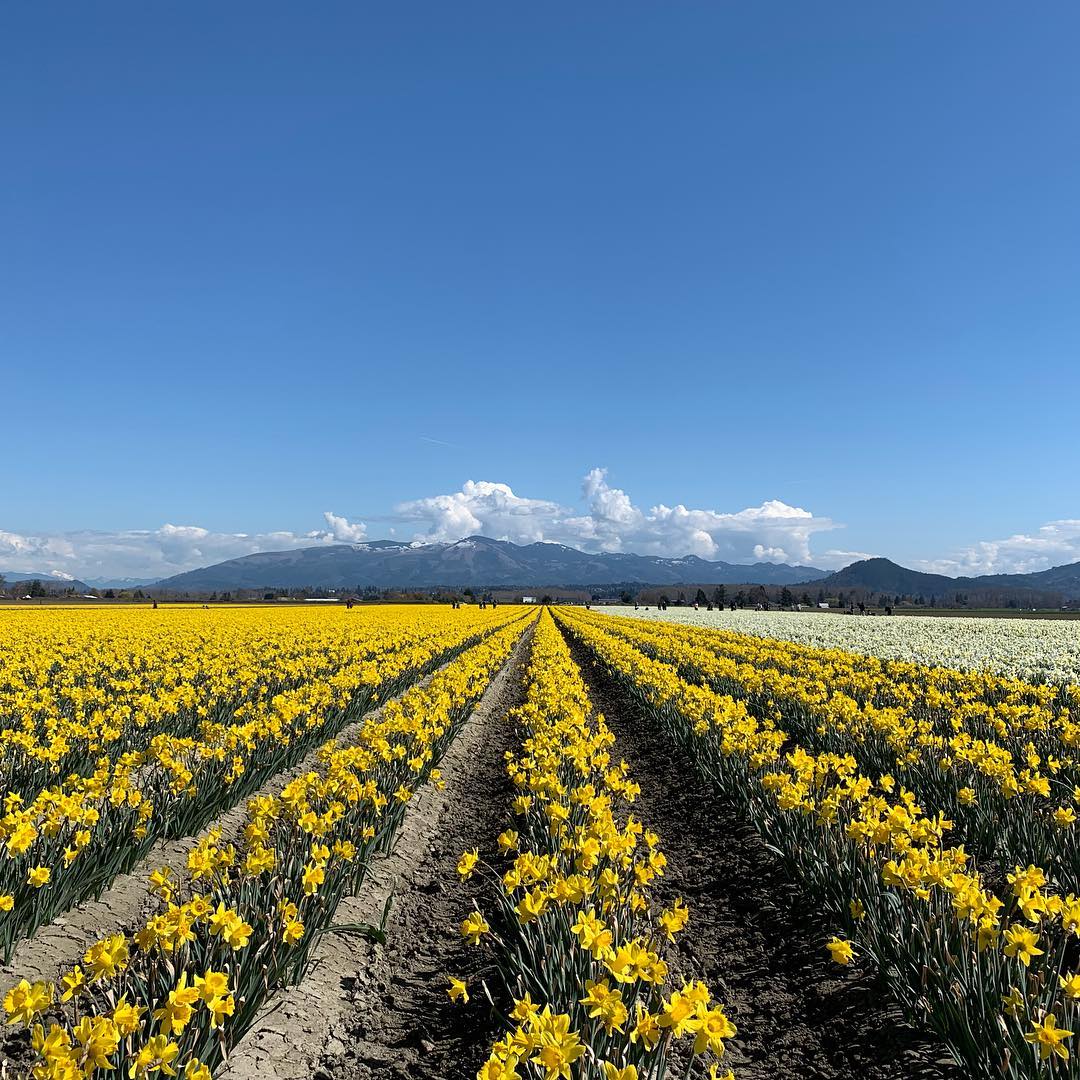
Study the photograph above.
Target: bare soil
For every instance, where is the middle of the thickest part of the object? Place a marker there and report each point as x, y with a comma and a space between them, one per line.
752, 937
401, 1022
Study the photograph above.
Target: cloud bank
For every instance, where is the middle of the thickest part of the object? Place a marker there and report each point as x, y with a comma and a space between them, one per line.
155, 553
604, 518
1054, 544
771, 532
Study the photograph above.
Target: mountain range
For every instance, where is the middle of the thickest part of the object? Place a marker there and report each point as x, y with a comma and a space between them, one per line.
476, 561
50, 579
480, 562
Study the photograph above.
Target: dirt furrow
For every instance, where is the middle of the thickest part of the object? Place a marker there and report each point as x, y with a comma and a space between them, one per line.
752, 937
366, 1011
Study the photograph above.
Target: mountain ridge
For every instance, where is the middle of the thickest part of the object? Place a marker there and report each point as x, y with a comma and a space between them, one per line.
474, 561
885, 576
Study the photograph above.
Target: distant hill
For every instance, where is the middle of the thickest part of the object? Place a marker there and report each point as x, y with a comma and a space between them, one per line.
48, 579
1057, 584
120, 582
476, 561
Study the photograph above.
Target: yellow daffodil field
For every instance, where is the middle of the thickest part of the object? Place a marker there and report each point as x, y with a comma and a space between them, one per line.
521, 844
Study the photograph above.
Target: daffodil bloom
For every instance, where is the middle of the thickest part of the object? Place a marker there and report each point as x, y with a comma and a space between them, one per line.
841, 951
1020, 942
473, 927
156, 1055
458, 990
39, 876
25, 1000
1048, 1038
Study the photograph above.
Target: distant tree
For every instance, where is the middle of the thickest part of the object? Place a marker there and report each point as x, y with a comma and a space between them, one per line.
110, 594
701, 598
664, 601
821, 596
545, 599
842, 600
740, 599
786, 597
626, 597
718, 596
37, 589
933, 601
805, 599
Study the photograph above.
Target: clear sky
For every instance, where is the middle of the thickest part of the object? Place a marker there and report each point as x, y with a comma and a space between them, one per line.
261, 261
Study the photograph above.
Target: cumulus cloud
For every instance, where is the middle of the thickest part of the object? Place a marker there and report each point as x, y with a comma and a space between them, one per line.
772, 532
1053, 544
343, 530
481, 508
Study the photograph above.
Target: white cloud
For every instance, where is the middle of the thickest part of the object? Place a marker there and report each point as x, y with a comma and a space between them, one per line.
1054, 544
481, 508
835, 559
772, 532
343, 530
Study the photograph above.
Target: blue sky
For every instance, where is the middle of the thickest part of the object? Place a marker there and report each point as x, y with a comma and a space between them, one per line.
262, 261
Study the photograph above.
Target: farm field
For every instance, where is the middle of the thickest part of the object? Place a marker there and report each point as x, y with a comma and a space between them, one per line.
1032, 649
519, 843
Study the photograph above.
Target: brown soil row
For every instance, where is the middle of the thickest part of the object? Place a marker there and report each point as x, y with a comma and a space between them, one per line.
400, 1021
752, 936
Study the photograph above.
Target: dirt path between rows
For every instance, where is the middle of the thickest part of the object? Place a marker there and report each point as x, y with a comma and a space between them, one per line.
401, 1022
752, 937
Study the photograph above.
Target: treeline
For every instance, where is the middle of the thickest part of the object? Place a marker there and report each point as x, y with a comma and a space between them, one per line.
810, 596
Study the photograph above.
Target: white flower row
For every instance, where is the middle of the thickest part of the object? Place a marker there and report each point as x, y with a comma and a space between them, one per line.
1033, 649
